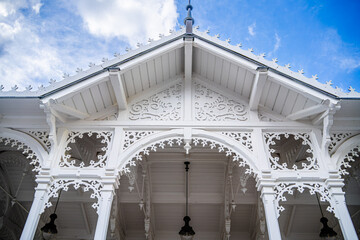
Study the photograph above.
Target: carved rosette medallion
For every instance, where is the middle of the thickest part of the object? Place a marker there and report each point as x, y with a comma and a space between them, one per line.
212, 106
163, 106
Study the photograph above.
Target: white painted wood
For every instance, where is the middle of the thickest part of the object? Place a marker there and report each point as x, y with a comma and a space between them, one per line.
105, 95
96, 95
118, 86
232, 77
307, 112
257, 89
280, 100
89, 101
151, 71
135, 72
144, 75
69, 111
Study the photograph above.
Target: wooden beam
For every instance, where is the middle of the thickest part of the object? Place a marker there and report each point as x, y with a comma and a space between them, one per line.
85, 218
309, 111
258, 86
68, 110
188, 51
290, 221
104, 113
116, 82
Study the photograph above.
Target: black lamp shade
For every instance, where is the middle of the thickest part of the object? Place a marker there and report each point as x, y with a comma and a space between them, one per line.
327, 232
50, 227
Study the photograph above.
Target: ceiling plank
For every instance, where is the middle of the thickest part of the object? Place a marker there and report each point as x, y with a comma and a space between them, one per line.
85, 218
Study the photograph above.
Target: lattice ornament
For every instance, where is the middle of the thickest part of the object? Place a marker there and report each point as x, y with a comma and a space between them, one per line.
164, 106
242, 137
30, 154
64, 184
138, 156
280, 158
212, 106
89, 145
313, 188
41, 136
348, 159
131, 137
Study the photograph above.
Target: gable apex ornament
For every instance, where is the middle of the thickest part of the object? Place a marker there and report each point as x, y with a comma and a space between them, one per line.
189, 20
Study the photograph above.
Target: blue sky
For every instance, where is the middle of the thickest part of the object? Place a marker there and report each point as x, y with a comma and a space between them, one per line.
41, 39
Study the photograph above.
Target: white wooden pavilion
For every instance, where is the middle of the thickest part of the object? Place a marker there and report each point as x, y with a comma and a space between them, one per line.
109, 144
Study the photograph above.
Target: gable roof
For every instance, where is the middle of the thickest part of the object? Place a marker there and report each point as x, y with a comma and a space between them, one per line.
199, 37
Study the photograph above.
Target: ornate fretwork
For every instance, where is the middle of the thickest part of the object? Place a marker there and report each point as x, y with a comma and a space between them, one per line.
130, 137
97, 145
30, 154
313, 188
222, 148
93, 185
164, 106
300, 150
348, 159
212, 106
242, 137
41, 136
138, 156
196, 141
337, 139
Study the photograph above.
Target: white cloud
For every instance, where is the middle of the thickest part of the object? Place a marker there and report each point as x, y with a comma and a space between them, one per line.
276, 45
37, 7
133, 21
251, 29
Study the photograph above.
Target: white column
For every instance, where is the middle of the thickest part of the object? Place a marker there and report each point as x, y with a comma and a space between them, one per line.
271, 215
342, 213
37, 206
107, 195
266, 184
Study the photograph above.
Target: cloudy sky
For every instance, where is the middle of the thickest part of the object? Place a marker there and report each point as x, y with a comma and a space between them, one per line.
42, 39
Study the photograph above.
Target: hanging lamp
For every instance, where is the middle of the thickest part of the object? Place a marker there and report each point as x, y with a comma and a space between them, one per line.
49, 229
187, 232
326, 232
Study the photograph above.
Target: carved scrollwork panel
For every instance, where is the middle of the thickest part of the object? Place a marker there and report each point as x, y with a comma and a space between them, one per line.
163, 106
313, 188
131, 137
41, 136
290, 148
212, 106
244, 138
86, 149
34, 160
337, 139
64, 184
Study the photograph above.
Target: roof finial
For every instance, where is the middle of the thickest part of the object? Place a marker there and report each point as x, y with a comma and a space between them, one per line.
189, 21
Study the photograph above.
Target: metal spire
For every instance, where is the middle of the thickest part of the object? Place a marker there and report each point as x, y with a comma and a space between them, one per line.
189, 21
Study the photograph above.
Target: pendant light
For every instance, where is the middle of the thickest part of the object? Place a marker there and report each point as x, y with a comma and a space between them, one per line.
326, 232
187, 232
49, 229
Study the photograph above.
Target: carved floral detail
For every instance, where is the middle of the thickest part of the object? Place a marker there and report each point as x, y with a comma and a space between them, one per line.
311, 162
41, 136
242, 137
30, 154
93, 185
133, 136
313, 188
105, 139
348, 159
164, 106
212, 106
